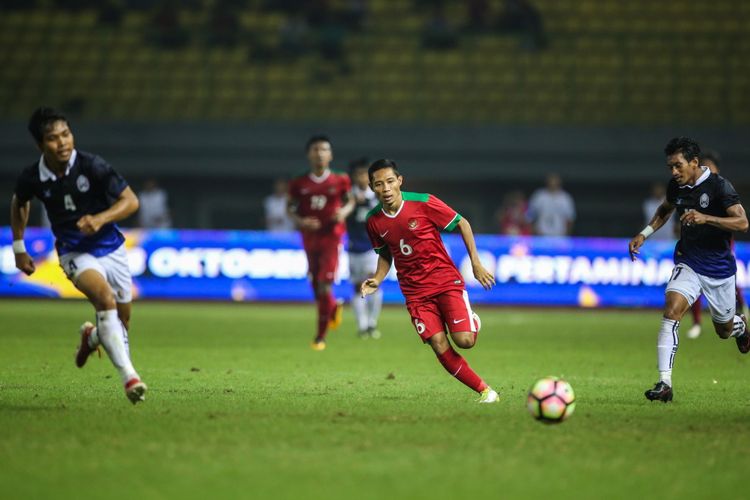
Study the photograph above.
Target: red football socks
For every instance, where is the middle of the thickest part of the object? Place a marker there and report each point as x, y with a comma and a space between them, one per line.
326, 306
457, 366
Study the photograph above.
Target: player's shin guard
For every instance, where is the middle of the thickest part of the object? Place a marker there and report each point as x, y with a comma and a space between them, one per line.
457, 366
112, 338
666, 348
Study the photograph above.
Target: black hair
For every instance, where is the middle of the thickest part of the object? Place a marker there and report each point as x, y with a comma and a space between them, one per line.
41, 119
361, 162
380, 165
685, 145
317, 138
711, 155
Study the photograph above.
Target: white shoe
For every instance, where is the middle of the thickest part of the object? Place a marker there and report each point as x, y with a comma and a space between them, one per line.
489, 396
694, 332
478, 321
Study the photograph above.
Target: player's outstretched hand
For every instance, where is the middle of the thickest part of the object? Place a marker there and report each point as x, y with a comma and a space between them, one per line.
339, 215
25, 263
89, 224
369, 286
635, 245
483, 276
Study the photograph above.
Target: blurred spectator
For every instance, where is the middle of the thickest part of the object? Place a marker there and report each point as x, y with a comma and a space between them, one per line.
355, 14
294, 34
154, 209
111, 12
275, 208
512, 216
224, 28
166, 30
711, 159
478, 13
551, 209
438, 32
521, 17
650, 204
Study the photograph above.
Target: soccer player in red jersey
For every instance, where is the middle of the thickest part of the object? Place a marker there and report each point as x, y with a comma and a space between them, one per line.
319, 203
405, 228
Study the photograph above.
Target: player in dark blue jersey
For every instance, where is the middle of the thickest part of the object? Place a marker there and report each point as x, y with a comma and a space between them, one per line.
709, 210
84, 198
362, 260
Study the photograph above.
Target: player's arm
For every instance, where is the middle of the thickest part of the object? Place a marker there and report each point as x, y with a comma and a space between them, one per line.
370, 285
483, 276
19, 219
348, 207
125, 206
661, 216
736, 219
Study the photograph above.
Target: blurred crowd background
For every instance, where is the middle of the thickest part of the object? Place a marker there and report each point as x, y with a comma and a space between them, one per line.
205, 105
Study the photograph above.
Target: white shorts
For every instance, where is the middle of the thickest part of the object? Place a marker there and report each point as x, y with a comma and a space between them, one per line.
362, 266
720, 293
113, 266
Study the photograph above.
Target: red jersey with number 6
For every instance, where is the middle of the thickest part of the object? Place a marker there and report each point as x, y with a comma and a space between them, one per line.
412, 236
320, 197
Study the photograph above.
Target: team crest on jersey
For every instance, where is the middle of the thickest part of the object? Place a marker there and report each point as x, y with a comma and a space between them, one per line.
331, 190
413, 223
704, 200
47, 193
83, 183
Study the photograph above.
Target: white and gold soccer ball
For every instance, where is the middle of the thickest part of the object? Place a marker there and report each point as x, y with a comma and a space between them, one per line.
551, 400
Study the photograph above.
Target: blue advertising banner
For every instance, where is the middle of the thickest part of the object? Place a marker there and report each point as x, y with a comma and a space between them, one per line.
264, 266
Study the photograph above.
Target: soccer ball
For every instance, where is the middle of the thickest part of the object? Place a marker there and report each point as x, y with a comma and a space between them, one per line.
551, 400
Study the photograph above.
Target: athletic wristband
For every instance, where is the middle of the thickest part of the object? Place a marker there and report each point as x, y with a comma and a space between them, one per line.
647, 231
19, 246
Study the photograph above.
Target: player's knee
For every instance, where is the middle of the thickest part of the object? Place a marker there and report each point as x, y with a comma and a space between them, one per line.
465, 340
671, 311
439, 343
104, 301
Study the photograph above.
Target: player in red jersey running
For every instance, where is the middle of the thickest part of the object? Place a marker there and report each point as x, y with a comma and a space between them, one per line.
319, 203
405, 228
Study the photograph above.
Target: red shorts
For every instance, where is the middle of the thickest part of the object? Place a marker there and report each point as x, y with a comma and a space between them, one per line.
322, 262
430, 315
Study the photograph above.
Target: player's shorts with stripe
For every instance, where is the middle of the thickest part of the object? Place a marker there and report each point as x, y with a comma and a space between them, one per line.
430, 315
113, 266
322, 262
362, 265
719, 292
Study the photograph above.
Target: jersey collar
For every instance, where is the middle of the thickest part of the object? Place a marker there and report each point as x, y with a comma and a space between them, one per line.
403, 202
703, 177
45, 174
322, 178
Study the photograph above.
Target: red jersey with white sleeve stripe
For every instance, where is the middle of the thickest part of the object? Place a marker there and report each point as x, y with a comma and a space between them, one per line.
320, 197
412, 235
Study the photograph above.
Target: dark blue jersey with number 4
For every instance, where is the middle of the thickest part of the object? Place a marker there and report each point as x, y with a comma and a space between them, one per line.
705, 248
89, 187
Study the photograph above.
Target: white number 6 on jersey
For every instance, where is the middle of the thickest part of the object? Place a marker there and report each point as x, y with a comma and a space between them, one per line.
405, 249
419, 326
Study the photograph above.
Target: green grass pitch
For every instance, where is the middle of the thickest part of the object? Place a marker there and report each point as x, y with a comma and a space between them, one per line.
240, 407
